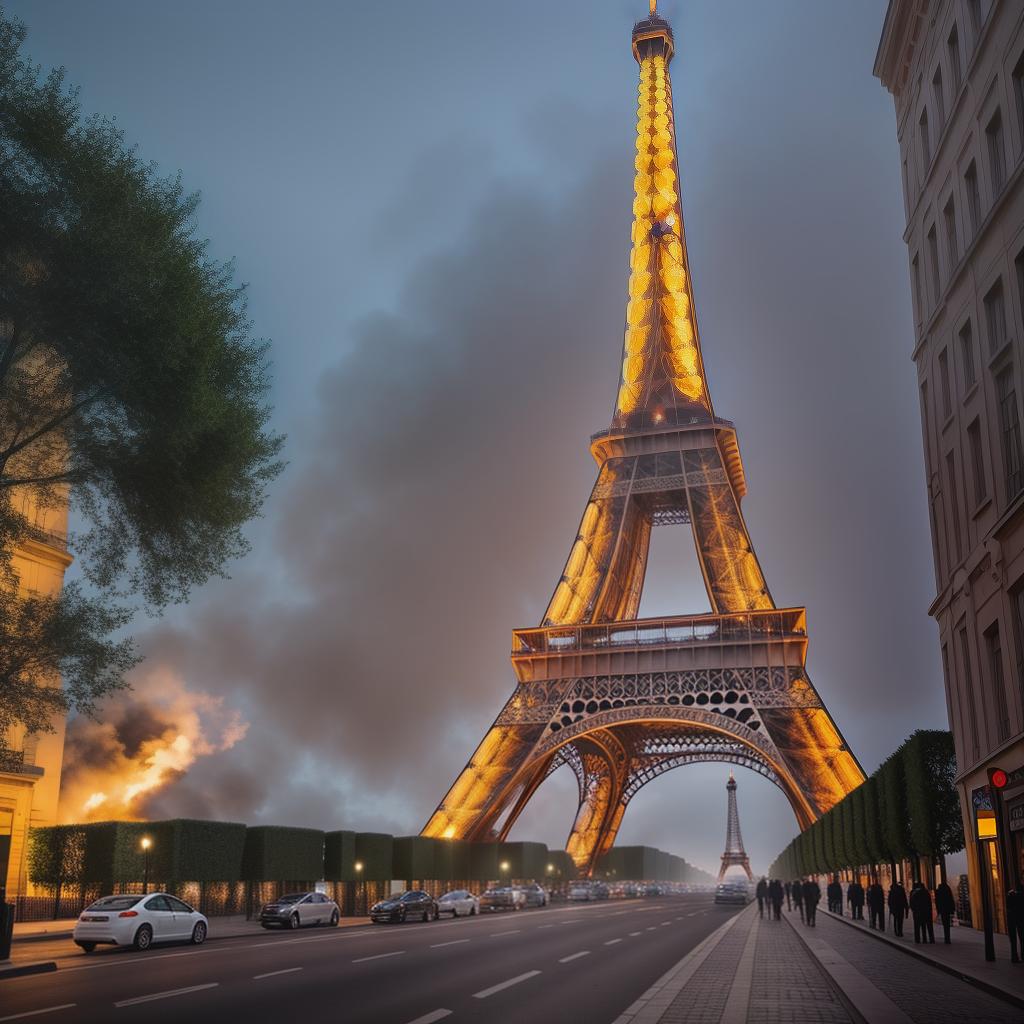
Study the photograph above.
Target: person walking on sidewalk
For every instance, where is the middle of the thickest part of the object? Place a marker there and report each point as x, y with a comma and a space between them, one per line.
762, 894
798, 897
944, 904
921, 905
834, 891
776, 894
855, 897
876, 906
789, 890
898, 908
812, 897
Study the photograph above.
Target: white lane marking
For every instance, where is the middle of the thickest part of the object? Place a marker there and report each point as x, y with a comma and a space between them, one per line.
611, 942
429, 1018
274, 974
651, 927
497, 935
663, 923
695, 913
35, 1013
569, 922
167, 995
452, 942
545, 926
575, 956
379, 956
483, 994
631, 934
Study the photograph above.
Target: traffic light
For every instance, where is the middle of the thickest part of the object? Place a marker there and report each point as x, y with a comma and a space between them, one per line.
997, 778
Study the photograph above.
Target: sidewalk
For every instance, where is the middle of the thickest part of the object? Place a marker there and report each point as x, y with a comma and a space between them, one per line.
964, 957
754, 971
220, 928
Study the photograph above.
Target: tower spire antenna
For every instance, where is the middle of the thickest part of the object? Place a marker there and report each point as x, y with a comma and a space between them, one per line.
654, 7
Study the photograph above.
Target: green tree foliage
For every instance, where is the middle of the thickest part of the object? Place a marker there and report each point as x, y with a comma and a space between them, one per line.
873, 842
845, 808
895, 819
826, 824
929, 760
128, 379
858, 826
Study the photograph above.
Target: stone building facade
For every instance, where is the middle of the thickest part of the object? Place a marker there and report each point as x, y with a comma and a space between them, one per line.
956, 71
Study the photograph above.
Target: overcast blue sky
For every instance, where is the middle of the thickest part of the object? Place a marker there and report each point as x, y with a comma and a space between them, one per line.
430, 202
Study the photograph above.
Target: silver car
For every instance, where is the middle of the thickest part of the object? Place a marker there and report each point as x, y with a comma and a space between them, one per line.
296, 909
139, 921
458, 903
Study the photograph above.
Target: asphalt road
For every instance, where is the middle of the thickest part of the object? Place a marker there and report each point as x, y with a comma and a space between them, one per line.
582, 962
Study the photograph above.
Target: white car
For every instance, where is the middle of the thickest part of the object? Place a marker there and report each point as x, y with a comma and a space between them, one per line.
139, 921
458, 903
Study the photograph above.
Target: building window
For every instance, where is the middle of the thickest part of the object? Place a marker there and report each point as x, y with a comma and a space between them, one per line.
1009, 427
1018, 94
954, 505
994, 648
967, 353
949, 222
977, 462
947, 402
1017, 599
995, 318
973, 197
953, 50
926, 423
915, 273
926, 142
996, 153
939, 99
933, 260
968, 691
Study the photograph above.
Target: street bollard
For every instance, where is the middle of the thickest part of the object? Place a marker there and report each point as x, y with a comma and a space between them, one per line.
6, 929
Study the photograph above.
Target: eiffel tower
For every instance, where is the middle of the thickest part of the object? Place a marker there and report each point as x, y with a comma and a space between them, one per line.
735, 855
622, 700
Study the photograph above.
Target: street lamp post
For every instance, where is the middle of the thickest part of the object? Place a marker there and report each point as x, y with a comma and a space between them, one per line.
146, 844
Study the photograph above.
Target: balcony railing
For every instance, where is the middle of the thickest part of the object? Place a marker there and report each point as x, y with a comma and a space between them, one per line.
742, 627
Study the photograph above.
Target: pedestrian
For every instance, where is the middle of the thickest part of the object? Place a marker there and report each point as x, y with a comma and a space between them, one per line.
855, 897
812, 897
798, 896
898, 908
876, 906
944, 904
789, 890
835, 896
776, 894
1015, 923
921, 905
762, 894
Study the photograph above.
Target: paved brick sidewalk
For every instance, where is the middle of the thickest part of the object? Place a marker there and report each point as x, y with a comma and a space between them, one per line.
924, 993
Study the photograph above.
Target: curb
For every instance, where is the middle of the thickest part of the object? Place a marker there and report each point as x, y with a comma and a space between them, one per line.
44, 967
972, 979
41, 936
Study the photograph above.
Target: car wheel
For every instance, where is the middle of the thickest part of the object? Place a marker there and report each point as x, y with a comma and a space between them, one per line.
335, 918
294, 922
86, 947
199, 934
143, 937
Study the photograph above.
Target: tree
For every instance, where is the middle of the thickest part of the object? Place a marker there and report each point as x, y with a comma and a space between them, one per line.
874, 845
128, 381
858, 826
827, 824
895, 814
936, 827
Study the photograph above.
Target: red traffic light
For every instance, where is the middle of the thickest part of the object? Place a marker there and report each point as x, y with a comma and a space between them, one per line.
997, 778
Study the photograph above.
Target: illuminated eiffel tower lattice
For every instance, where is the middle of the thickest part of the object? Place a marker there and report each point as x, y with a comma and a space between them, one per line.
735, 855
620, 699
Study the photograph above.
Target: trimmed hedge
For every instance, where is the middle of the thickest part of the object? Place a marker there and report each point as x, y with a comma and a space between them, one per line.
375, 851
339, 856
413, 858
279, 854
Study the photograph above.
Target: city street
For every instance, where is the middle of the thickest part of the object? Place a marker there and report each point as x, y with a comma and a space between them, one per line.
576, 962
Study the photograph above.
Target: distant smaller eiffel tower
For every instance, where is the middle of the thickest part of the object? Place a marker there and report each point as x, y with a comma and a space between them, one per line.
734, 853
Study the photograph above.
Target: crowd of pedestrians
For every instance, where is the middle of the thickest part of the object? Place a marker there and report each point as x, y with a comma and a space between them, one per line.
805, 895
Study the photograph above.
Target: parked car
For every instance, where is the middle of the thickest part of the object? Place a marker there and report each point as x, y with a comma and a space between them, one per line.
400, 907
503, 898
534, 895
299, 908
580, 892
459, 903
139, 921
733, 892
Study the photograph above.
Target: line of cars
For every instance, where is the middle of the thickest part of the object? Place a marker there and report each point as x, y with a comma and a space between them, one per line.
417, 905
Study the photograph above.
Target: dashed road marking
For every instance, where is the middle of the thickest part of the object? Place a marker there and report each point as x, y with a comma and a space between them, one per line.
611, 942
484, 993
379, 956
651, 927
575, 956
498, 935
167, 995
274, 974
429, 1018
35, 1013
631, 934
438, 945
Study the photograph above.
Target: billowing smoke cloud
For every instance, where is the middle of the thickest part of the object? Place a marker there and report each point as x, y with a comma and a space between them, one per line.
114, 766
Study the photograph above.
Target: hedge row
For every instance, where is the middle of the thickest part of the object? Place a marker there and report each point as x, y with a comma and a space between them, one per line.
644, 863
906, 810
